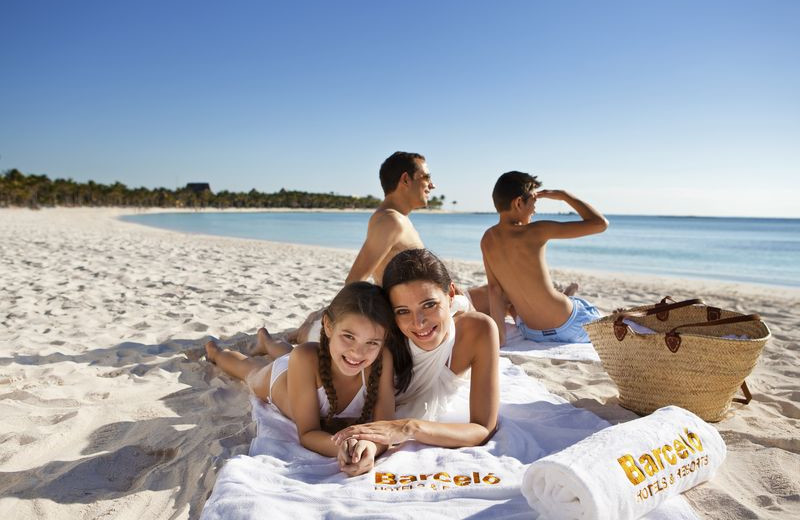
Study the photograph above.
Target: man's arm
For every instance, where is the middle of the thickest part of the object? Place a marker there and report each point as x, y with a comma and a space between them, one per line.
593, 221
498, 303
383, 233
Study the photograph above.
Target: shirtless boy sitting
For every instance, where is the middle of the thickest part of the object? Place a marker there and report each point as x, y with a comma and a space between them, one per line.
514, 259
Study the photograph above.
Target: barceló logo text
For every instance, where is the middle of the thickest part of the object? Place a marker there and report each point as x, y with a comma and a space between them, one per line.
386, 481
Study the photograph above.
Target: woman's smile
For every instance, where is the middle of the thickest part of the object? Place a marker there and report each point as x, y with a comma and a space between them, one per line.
422, 311
424, 334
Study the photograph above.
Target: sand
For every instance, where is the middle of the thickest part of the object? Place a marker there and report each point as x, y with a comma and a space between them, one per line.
107, 412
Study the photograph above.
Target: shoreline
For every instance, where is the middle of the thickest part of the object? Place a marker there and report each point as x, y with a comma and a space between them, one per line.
107, 410
155, 209
656, 277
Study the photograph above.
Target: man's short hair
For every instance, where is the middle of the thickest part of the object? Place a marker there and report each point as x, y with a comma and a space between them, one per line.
511, 185
394, 167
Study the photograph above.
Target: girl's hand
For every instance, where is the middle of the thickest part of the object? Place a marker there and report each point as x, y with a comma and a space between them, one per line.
345, 450
359, 457
379, 432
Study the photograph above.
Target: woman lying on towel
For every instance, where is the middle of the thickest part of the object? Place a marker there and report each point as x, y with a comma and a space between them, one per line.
345, 378
442, 351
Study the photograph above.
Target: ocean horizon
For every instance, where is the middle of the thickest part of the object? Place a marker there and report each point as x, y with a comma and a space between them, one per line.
737, 249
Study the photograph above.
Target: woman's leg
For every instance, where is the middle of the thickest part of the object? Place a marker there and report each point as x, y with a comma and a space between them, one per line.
256, 372
269, 346
231, 362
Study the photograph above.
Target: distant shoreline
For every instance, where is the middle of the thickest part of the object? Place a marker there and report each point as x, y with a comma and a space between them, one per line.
156, 209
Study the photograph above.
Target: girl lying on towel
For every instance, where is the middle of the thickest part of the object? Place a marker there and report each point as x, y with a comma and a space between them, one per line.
345, 378
441, 352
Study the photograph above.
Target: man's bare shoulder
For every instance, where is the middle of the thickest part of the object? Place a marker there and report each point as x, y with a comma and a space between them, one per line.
387, 220
489, 237
387, 216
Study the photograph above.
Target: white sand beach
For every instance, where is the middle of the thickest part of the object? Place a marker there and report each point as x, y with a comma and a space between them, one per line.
107, 412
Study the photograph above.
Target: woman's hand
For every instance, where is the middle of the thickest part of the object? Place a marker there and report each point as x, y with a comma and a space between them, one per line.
379, 432
356, 457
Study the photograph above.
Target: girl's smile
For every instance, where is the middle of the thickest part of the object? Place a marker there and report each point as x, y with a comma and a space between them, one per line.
355, 342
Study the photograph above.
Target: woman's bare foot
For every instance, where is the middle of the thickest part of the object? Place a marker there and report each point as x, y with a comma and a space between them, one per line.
301, 334
571, 289
212, 350
266, 345
263, 338
291, 336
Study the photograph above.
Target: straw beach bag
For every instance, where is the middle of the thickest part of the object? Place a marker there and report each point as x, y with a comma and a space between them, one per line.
684, 360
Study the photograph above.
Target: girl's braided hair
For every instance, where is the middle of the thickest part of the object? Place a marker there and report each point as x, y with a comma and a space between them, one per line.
370, 301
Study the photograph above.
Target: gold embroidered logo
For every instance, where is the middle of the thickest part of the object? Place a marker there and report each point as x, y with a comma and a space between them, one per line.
652, 463
385, 481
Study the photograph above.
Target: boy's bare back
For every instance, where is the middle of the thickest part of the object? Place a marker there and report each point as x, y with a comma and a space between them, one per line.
516, 257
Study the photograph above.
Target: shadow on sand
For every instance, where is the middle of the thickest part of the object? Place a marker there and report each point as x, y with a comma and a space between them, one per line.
182, 453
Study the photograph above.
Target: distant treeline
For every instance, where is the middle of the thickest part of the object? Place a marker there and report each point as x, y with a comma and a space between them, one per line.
18, 189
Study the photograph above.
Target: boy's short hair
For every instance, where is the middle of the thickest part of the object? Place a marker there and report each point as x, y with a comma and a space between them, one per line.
394, 167
511, 185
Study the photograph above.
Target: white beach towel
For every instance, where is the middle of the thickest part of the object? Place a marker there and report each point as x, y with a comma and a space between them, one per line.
282, 479
626, 470
517, 345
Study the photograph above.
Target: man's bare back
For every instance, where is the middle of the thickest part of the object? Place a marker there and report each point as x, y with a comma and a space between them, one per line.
389, 232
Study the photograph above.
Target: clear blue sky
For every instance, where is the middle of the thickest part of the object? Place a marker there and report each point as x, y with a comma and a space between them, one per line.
638, 107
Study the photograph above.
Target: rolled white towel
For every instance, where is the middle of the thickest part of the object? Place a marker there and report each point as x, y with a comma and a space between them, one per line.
626, 470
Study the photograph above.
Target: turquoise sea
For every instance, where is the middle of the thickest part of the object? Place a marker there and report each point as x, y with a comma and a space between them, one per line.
755, 250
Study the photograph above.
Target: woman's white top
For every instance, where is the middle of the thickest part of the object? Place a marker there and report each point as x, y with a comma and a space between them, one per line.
433, 383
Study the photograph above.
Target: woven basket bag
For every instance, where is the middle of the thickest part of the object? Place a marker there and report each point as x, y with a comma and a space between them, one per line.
686, 362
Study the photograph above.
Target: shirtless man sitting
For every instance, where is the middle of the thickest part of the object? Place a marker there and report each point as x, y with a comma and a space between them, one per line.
406, 183
514, 259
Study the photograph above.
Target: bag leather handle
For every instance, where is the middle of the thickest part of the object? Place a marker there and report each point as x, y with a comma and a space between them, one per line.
661, 309
747, 395
735, 319
673, 339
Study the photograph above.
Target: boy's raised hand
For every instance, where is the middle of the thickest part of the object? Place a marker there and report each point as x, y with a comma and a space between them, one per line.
552, 194
593, 221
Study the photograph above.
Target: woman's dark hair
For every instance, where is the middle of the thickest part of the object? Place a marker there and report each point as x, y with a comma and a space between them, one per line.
416, 264
370, 301
409, 266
